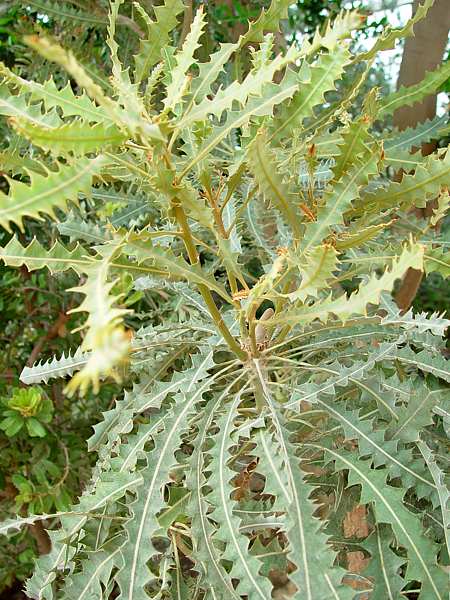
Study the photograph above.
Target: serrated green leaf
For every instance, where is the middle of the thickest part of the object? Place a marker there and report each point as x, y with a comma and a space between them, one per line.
384, 565
135, 575
158, 37
16, 106
76, 138
253, 85
340, 29
77, 229
54, 368
272, 95
413, 190
313, 83
127, 92
437, 365
414, 417
183, 60
388, 39
269, 20
389, 508
338, 200
261, 160
105, 338
107, 490
443, 491
308, 548
368, 293
415, 136
372, 442
206, 553
316, 268
244, 567
163, 262
45, 193
437, 260
34, 256
52, 97
407, 96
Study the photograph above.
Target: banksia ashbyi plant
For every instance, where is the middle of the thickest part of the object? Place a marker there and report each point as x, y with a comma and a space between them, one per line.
292, 395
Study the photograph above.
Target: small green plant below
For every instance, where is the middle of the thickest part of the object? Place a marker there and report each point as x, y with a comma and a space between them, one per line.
286, 415
27, 408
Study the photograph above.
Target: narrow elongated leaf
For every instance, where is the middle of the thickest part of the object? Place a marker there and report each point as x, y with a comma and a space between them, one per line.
415, 136
183, 60
443, 491
368, 293
372, 442
355, 137
76, 138
244, 567
34, 256
389, 508
434, 322
407, 96
77, 229
356, 235
272, 95
45, 193
105, 338
341, 376
413, 190
106, 490
94, 575
261, 160
173, 267
388, 39
68, 13
384, 565
17, 107
268, 21
206, 554
208, 74
127, 92
308, 548
150, 393
340, 29
67, 60
158, 37
135, 575
339, 199
54, 368
316, 268
415, 416
313, 83
437, 365
253, 85
70, 104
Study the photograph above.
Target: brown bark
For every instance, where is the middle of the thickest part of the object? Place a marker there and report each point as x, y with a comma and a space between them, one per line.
422, 53
41, 536
187, 21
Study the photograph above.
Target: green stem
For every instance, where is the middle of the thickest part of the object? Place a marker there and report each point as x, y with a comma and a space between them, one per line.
203, 289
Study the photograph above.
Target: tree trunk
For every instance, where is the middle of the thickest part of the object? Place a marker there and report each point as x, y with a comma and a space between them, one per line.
422, 53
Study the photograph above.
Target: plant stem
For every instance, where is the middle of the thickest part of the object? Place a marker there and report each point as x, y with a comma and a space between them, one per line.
252, 327
203, 289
